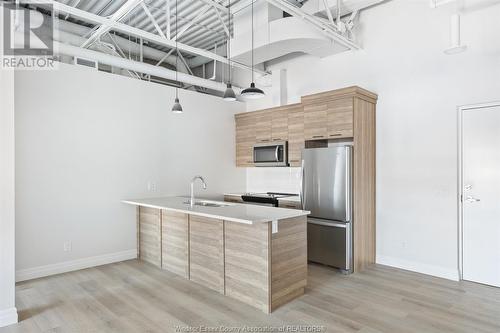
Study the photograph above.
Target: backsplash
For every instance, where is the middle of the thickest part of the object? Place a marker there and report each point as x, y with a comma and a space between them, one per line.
286, 180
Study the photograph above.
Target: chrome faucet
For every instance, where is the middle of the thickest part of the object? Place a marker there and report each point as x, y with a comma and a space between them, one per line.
191, 201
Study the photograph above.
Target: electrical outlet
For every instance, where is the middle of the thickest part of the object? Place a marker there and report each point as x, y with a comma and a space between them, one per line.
67, 246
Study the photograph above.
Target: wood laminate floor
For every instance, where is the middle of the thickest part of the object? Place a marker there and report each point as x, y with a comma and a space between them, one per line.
135, 297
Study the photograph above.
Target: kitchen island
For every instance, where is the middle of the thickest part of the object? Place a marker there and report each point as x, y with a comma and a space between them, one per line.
255, 254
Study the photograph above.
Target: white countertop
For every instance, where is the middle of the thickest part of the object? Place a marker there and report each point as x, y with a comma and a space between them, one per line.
234, 212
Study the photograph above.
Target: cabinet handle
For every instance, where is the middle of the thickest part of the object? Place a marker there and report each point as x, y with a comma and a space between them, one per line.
338, 134
266, 140
277, 139
294, 161
318, 136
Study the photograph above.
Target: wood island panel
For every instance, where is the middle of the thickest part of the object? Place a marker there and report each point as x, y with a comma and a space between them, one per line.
288, 261
247, 263
175, 242
150, 235
206, 252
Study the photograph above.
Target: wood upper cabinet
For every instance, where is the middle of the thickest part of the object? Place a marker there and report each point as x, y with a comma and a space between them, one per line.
279, 125
329, 119
340, 118
316, 121
245, 139
296, 141
263, 126
271, 125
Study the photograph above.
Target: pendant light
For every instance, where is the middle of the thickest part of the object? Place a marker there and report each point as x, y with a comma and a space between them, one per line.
252, 92
229, 94
177, 108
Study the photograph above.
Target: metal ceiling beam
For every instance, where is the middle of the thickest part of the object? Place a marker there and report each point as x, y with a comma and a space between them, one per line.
200, 14
153, 20
221, 21
217, 5
123, 11
167, 17
96, 19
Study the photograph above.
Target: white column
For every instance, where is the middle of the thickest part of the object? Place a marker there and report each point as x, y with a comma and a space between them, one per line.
279, 89
8, 312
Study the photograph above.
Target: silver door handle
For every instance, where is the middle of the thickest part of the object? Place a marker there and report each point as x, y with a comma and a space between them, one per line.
472, 199
276, 153
302, 180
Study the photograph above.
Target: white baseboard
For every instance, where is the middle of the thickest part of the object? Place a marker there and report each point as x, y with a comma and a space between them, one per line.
8, 317
74, 265
445, 273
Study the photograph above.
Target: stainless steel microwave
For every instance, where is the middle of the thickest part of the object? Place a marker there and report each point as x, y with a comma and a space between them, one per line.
271, 154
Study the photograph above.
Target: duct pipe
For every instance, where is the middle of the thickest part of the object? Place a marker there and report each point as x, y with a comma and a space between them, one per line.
74, 51
456, 46
136, 66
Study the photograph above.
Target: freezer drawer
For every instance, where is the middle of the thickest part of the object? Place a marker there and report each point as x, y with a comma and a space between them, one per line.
329, 243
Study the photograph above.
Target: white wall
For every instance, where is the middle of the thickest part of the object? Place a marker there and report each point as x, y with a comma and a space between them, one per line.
86, 140
284, 180
8, 312
419, 89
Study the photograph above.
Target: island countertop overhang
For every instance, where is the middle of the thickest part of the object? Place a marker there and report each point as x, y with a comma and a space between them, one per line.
234, 212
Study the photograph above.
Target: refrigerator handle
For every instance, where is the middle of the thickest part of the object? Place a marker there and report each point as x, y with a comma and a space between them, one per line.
302, 180
348, 184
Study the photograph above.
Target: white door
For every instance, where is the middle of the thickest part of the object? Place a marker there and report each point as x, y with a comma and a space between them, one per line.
481, 194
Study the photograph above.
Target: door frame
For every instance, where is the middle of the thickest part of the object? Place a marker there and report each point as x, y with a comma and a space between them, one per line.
460, 188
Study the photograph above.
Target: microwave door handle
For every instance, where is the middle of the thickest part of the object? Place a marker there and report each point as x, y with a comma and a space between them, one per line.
276, 153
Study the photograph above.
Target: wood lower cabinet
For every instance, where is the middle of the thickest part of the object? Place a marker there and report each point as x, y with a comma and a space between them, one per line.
289, 258
247, 257
206, 252
175, 242
245, 261
149, 232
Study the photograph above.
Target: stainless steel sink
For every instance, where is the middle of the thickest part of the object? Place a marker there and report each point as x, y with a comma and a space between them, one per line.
206, 203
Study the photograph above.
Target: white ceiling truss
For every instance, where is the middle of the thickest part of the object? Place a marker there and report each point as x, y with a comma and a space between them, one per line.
203, 28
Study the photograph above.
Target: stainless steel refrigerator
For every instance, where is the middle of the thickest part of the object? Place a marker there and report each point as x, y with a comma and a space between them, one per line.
327, 194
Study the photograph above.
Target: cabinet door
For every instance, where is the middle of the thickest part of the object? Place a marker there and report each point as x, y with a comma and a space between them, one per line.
315, 121
175, 242
245, 139
279, 126
296, 142
149, 235
206, 252
263, 126
340, 118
